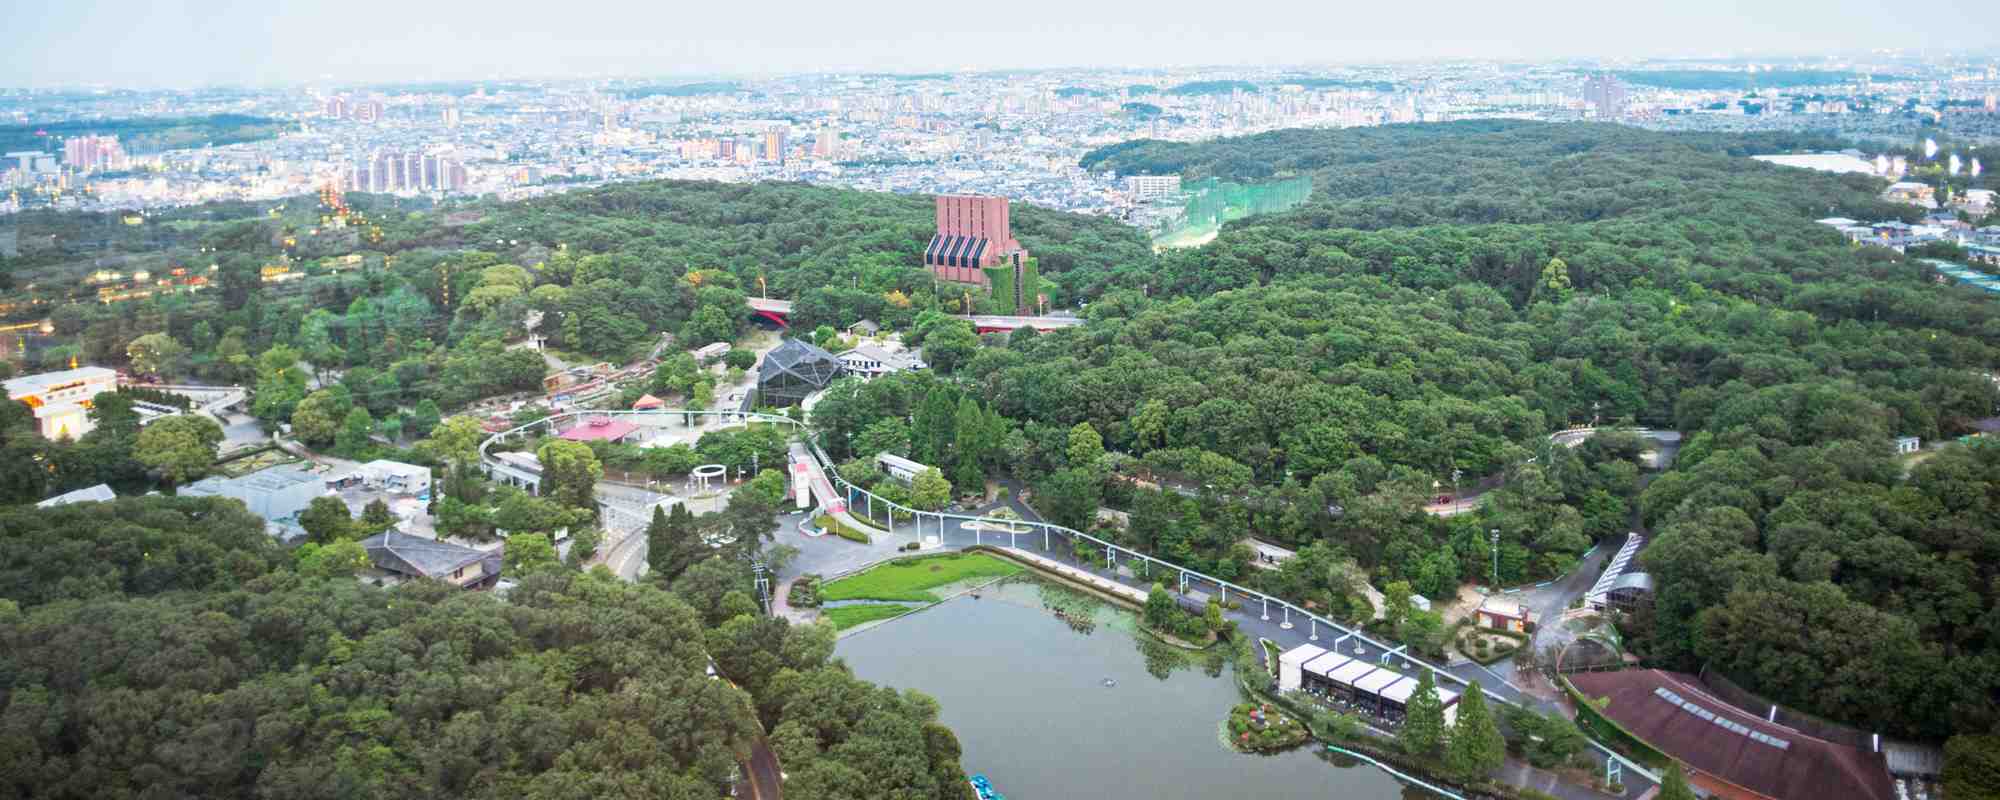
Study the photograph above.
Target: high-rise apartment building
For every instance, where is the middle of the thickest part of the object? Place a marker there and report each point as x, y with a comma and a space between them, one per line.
390, 172
774, 144
93, 153
1606, 96
342, 107
826, 142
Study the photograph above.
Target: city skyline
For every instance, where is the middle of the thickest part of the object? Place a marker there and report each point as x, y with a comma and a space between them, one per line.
238, 43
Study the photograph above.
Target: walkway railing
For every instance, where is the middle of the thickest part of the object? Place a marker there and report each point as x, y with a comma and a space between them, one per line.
1393, 771
1186, 577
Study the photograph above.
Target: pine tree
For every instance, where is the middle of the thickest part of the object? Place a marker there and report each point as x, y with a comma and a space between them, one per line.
658, 551
970, 429
671, 542
1475, 748
376, 517
1423, 722
1674, 784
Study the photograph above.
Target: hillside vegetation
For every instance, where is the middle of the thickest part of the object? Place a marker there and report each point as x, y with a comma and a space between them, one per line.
1449, 288
193, 658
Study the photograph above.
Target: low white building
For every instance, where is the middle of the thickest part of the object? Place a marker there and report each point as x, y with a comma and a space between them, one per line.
898, 467
871, 361
61, 400
396, 476
710, 353
277, 494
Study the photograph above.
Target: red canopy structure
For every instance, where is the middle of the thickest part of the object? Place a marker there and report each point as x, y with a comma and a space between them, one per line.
600, 429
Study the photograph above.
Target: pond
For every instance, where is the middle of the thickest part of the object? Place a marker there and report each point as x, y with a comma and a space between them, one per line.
1049, 707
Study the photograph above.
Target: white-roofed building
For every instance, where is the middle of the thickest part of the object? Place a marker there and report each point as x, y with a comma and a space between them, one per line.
61, 400
396, 476
872, 361
277, 494
898, 467
1502, 614
1291, 661
1620, 587
89, 494
1837, 163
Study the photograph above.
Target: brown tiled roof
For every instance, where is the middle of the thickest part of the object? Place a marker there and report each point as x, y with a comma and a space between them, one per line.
1803, 767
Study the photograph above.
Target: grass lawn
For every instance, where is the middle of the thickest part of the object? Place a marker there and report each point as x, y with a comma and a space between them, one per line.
846, 617
827, 522
912, 579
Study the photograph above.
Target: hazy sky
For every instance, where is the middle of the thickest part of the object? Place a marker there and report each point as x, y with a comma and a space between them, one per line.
191, 42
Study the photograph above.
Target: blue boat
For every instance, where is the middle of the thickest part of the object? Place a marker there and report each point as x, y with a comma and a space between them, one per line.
984, 788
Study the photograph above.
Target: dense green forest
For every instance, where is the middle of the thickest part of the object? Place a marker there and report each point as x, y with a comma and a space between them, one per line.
408, 305
144, 134
1446, 296
1585, 271
158, 647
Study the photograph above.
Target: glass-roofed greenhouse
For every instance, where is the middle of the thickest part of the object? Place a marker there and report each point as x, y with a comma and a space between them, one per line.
792, 371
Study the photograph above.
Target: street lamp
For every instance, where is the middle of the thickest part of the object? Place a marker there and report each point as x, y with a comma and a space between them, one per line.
1496, 559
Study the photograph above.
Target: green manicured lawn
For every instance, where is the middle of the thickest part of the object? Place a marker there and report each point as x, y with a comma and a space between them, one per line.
846, 617
843, 531
912, 580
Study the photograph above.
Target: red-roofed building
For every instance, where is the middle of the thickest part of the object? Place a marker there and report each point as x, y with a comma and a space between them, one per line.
1728, 752
600, 429
648, 403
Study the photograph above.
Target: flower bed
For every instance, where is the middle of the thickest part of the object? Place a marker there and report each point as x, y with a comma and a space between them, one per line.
1262, 728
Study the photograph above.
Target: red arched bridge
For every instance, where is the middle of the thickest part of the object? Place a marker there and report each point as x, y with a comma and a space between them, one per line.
779, 312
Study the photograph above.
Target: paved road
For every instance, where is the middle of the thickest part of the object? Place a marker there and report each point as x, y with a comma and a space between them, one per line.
765, 779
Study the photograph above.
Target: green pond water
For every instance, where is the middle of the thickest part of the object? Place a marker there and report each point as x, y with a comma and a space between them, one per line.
1087, 708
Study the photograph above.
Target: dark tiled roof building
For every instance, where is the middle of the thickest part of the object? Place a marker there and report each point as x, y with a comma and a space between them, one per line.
405, 557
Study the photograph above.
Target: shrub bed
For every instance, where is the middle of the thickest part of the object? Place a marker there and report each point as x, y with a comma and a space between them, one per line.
1261, 728
804, 593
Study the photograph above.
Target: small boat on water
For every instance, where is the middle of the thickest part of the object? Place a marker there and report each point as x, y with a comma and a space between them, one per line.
984, 788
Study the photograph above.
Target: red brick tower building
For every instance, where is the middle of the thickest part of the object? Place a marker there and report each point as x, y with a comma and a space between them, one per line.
972, 233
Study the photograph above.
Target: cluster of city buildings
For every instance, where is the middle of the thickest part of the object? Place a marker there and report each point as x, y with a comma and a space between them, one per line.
1013, 134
